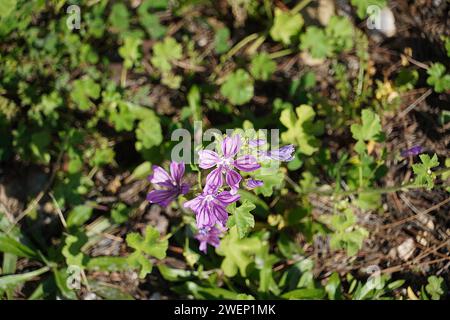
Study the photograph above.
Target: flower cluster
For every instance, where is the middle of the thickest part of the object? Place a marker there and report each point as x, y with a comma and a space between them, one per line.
221, 186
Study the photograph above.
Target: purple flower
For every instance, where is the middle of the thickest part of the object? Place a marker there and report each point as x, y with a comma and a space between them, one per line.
285, 153
209, 207
208, 235
414, 151
252, 184
257, 143
225, 164
172, 184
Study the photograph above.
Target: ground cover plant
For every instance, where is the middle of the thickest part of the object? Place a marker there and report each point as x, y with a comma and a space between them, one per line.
229, 149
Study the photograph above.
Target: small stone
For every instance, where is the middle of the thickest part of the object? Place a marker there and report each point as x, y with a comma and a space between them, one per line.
421, 238
406, 249
387, 22
426, 220
90, 296
325, 11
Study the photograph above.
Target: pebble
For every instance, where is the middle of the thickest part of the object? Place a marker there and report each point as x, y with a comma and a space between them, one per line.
406, 249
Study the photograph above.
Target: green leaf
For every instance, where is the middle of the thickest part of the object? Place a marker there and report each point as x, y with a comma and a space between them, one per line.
333, 287
119, 17
123, 118
435, 287
7, 7
237, 252
61, 277
308, 294
271, 177
209, 292
72, 250
238, 87
221, 40
104, 155
347, 234
150, 244
243, 219
107, 263
302, 128
141, 171
285, 26
120, 213
149, 132
109, 292
83, 90
172, 274
340, 32
262, 66
316, 42
368, 200
424, 175
438, 77
9, 263
39, 144
265, 262
79, 215
165, 52
129, 51
10, 245
194, 101
149, 20
406, 79
370, 127
447, 45
11, 281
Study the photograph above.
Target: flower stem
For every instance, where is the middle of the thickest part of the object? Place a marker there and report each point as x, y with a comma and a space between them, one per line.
199, 180
300, 6
332, 193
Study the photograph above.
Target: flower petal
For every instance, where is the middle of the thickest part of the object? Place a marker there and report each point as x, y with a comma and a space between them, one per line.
203, 245
252, 184
220, 215
177, 171
414, 151
208, 159
160, 177
246, 163
208, 236
233, 179
184, 188
162, 197
285, 153
226, 198
194, 204
205, 217
214, 180
231, 146
257, 143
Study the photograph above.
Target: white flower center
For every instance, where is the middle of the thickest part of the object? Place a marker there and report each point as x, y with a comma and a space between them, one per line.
226, 162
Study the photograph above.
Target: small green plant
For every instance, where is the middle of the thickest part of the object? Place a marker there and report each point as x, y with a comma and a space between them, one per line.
149, 245
436, 287
438, 78
238, 87
286, 25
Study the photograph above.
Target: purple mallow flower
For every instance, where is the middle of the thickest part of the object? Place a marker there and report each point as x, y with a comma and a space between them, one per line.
225, 164
172, 184
252, 184
208, 235
285, 153
256, 143
209, 207
414, 151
